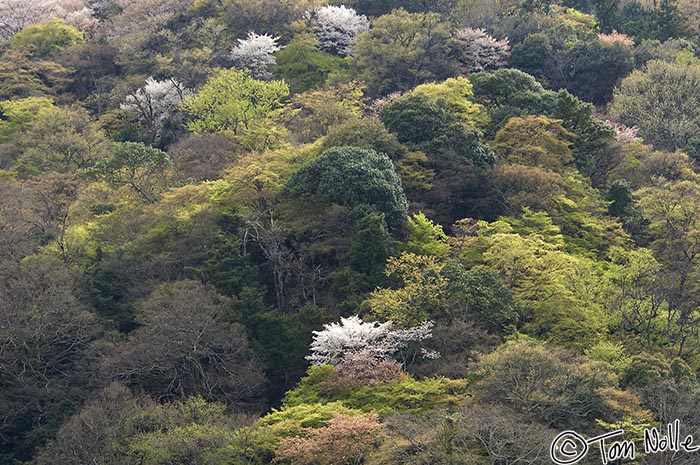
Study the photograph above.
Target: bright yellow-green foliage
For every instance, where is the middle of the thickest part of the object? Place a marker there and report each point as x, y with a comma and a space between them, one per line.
573, 20
536, 223
20, 114
408, 395
556, 291
231, 100
46, 38
534, 141
290, 420
609, 352
455, 94
403, 395
581, 214
257, 178
421, 297
426, 237
671, 207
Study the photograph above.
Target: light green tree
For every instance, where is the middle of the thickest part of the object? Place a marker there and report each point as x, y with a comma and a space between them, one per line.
19, 114
401, 51
534, 141
455, 96
422, 295
426, 237
661, 99
233, 101
44, 39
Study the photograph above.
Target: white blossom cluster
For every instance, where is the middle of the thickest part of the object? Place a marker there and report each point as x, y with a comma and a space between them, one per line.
625, 134
336, 28
351, 336
256, 53
478, 51
15, 15
156, 101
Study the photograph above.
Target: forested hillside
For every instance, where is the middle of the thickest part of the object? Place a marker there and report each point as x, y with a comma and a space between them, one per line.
373, 233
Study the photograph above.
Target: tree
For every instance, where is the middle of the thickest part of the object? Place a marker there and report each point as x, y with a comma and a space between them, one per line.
519, 186
256, 54
534, 141
344, 440
620, 195
426, 237
140, 31
203, 157
90, 436
351, 176
364, 369
475, 433
660, 20
117, 427
477, 51
303, 65
594, 68
264, 16
19, 114
401, 51
136, 165
314, 112
154, 103
62, 139
549, 286
352, 336
371, 245
660, 99
45, 333
545, 383
535, 56
41, 40
231, 100
415, 119
337, 27
508, 92
636, 294
191, 430
420, 296
671, 207
52, 196
19, 229
365, 133
455, 96
477, 295
15, 15
185, 346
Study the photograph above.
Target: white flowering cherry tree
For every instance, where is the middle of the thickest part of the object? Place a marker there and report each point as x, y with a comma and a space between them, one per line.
336, 28
155, 102
256, 54
351, 336
478, 51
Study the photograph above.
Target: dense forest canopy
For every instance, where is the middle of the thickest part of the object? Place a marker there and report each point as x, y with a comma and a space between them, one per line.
379, 232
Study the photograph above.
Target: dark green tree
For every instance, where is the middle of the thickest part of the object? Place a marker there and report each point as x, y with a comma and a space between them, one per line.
351, 176
136, 165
